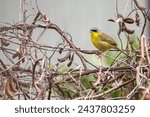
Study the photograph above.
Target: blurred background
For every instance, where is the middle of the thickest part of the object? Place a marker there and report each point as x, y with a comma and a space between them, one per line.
74, 17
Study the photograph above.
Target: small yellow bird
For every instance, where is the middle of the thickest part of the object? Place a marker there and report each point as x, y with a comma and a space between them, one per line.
103, 42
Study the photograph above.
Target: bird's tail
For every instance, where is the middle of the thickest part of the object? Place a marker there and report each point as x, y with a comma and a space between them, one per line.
123, 52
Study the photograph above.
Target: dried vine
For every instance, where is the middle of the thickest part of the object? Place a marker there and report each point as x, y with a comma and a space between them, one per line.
26, 70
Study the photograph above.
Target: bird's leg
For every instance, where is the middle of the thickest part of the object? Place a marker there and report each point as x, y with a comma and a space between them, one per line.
98, 52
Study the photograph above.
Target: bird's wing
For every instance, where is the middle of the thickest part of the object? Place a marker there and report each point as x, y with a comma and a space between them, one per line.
108, 39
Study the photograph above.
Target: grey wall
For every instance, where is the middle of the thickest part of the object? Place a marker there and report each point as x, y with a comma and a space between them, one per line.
73, 16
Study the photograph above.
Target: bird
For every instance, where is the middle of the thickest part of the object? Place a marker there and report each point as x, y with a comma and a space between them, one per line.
103, 42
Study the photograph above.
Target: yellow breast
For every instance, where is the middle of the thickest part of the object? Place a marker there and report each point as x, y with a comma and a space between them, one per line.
100, 43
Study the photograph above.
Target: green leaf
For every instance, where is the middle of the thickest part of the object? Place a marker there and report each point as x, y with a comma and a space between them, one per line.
86, 81
116, 93
135, 42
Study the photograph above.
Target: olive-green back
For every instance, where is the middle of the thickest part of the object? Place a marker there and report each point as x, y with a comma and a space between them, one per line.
108, 39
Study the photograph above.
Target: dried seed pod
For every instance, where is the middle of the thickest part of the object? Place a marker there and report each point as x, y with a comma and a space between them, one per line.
23, 60
144, 93
10, 89
123, 27
137, 19
129, 31
46, 19
61, 50
71, 60
65, 58
147, 96
128, 20
4, 42
16, 67
111, 20
17, 54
